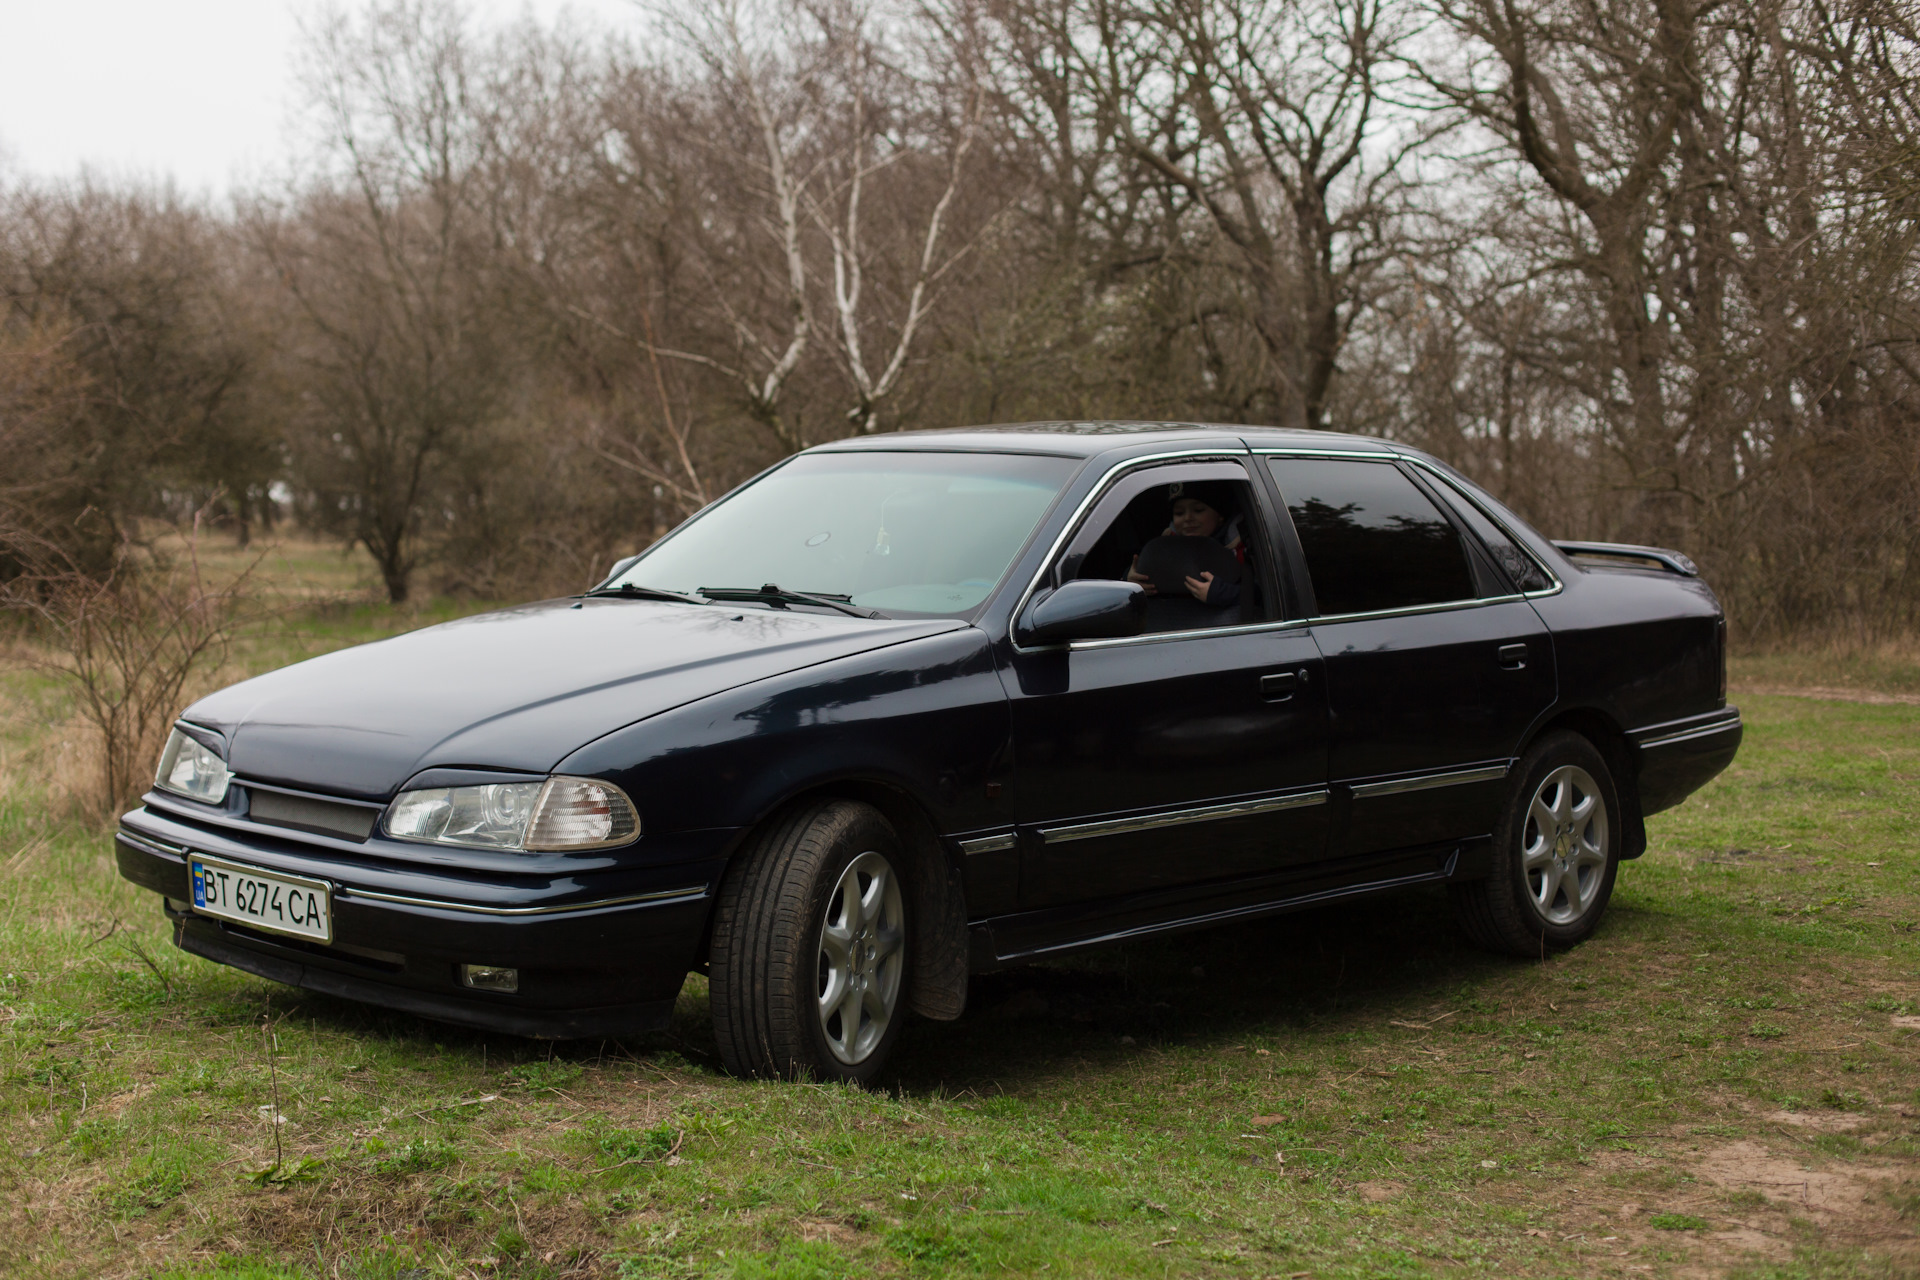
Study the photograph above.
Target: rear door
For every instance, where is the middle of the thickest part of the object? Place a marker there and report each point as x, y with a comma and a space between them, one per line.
1436, 665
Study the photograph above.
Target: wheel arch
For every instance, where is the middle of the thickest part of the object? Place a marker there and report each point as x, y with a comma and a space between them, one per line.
1610, 740
938, 962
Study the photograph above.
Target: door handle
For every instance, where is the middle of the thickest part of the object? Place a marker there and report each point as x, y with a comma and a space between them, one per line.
1513, 656
1278, 687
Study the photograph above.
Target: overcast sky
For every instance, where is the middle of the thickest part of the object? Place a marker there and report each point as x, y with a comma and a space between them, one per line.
198, 90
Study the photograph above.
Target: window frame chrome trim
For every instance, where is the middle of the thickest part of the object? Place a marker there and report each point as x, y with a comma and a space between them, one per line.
1409, 610
1251, 628
1431, 781
1281, 451
1376, 456
1160, 637
1373, 455
1558, 585
1224, 453
1066, 833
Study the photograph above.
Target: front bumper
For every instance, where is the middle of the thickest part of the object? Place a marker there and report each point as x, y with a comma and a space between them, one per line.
601, 953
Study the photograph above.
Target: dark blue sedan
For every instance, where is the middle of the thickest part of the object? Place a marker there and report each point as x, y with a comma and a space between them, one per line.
910, 707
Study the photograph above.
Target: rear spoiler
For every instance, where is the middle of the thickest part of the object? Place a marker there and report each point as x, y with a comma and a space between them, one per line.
1627, 556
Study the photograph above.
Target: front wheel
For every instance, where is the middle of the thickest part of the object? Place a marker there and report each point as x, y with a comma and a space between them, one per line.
1555, 853
809, 960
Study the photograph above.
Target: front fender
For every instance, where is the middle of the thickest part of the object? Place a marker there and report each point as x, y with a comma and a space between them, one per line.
927, 717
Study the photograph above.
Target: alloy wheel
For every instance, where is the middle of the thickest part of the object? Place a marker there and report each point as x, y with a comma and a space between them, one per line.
862, 958
1563, 850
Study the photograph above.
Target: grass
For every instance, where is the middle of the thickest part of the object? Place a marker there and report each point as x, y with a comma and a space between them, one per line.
1721, 1082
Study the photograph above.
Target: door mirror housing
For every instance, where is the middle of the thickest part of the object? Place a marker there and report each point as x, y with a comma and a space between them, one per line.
1085, 609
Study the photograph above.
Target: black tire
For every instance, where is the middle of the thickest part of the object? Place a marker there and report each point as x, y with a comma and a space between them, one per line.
1548, 889
769, 956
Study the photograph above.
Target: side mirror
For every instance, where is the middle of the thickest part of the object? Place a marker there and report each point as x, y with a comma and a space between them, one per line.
1085, 609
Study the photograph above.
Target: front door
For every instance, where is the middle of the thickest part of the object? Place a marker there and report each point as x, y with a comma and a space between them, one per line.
1435, 665
1195, 752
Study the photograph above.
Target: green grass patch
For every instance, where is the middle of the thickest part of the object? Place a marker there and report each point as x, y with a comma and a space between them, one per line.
1348, 1092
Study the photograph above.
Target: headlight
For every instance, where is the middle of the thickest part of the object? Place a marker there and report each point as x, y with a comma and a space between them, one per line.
554, 816
189, 769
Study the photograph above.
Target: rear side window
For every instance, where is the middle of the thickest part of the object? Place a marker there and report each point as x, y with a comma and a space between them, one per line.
1517, 564
1372, 539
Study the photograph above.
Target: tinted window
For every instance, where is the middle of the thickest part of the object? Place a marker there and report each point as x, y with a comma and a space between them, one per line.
1517, 564
898, 532
1372, 540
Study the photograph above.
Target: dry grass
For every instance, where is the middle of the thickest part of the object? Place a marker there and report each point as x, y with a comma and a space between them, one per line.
1722, 1083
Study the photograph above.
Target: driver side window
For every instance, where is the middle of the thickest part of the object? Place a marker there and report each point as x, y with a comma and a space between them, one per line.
1190, 536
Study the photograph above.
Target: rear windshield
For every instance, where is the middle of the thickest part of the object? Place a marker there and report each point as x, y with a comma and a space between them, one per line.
904, 533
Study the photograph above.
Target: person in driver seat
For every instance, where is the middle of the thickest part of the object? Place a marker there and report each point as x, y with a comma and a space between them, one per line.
1203, 509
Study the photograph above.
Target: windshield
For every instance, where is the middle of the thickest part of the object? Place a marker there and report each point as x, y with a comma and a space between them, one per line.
898, 532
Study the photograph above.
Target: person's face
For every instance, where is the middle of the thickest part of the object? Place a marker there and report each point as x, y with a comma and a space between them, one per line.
1193, 518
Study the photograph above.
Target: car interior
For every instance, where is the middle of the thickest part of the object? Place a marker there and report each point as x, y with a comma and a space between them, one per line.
1138, 523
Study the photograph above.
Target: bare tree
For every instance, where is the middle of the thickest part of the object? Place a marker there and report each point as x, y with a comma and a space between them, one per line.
1270, 117
388, 266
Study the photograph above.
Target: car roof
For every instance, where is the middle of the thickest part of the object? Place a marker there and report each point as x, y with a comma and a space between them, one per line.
1087, 439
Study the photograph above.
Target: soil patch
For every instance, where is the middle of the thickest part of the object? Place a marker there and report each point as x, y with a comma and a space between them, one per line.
1749, 1166
1833, 695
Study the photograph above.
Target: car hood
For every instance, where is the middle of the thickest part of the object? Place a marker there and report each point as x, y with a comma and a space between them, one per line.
518, 689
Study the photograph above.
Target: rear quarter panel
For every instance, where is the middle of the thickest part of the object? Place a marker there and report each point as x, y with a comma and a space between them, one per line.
1641, 647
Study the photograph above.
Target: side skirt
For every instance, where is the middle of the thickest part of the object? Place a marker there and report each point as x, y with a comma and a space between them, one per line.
1032, 935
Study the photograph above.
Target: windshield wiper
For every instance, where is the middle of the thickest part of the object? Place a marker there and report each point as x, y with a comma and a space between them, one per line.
779, 597
631, 591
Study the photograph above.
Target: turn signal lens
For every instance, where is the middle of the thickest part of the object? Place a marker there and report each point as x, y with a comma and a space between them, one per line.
189, 769
554, 816
580, 813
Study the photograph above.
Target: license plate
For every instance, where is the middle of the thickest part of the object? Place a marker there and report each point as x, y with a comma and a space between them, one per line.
266, 900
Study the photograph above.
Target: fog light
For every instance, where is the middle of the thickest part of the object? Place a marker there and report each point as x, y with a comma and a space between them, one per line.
489, 977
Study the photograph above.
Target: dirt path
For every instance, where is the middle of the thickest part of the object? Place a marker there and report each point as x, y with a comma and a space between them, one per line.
1833, 695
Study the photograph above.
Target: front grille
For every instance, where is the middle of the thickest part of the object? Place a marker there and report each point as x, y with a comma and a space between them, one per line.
304, 813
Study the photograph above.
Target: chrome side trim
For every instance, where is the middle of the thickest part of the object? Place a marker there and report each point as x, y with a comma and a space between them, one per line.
1099, 490
148, 844
1429, 781
989, 844
350, 893
1688, 735
1180, 817
400, 899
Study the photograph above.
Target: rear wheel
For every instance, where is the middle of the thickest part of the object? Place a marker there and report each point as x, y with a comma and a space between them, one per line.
809, 958
1555, 853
